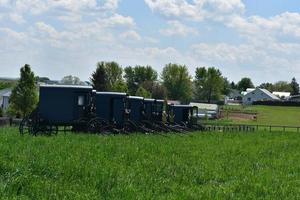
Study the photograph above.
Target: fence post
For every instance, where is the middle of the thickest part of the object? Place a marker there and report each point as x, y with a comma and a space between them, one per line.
297, 129
270, 128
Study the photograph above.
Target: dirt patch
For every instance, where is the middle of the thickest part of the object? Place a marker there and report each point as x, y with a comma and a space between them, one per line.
239, 116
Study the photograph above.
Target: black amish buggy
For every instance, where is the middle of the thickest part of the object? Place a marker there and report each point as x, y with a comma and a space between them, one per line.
80, 108
154, 111
135, 115
59, 105
183, 116
110, 111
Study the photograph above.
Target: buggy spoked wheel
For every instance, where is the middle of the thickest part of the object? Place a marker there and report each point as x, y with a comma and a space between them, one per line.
95, 125
98, 125
47, 130
26, 126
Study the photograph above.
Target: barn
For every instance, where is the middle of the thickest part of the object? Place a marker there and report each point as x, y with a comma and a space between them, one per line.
259, 95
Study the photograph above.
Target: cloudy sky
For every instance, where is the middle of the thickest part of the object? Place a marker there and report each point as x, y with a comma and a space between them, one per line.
255, 38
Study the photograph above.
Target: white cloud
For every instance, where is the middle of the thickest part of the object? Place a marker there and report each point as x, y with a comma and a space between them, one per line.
255, 26
117, 19
176, 28
19, 36
17, 18
198, 9
111, 4
130, 35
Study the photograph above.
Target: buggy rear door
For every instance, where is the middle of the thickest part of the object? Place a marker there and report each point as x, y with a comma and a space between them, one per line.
80, 103
119, 110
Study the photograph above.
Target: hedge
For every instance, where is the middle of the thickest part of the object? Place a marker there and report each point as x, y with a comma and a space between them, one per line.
277, 103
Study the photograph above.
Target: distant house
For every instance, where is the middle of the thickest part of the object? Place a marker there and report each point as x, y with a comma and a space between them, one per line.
259, 95
248, 90
235, 95
207, 110
282, 95
4, 98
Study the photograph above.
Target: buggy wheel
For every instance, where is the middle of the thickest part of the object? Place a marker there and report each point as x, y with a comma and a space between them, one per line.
54, 130
26, 126
48, 130
94, 126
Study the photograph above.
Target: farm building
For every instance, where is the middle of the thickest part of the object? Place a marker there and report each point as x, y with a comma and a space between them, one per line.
207, 110
259, 95
4, 97
295, 98
233, 97
248, 90
282, 95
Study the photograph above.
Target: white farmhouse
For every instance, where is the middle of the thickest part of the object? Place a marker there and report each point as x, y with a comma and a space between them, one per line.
259, 95
4, 98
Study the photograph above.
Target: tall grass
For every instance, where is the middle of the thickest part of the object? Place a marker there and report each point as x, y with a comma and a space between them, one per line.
197, 166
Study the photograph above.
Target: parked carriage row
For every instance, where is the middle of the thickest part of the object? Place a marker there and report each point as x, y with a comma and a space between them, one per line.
82, 109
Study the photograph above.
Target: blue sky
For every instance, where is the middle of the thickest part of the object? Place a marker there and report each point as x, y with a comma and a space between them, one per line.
250, 38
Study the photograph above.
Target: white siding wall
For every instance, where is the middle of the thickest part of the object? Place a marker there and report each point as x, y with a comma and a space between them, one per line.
256, 95
5, 102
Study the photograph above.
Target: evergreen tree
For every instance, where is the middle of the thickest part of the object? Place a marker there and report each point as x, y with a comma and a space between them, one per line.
106, 76
99, 78
295, 87
24, 96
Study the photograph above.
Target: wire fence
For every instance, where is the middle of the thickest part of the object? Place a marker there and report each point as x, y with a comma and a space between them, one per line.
249, 128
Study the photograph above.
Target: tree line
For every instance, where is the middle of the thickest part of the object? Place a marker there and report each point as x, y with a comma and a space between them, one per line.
208, 84
174, 83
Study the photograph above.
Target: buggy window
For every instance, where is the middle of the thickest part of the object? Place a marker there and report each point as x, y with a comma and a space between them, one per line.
80, 100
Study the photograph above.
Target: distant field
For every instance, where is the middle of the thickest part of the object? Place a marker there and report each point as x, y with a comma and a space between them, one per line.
269, 115
198, 166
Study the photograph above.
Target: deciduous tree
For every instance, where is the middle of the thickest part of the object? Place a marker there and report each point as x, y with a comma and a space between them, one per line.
209, 84
178, 82
142, 92
245, 83
139, 75
71, 80
282, 86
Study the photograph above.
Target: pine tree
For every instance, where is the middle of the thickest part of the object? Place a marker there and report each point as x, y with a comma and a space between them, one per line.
295, 87
99, 78
24, 96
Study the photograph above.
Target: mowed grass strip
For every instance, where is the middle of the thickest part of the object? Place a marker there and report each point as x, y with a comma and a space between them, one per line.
258, 165
268, 115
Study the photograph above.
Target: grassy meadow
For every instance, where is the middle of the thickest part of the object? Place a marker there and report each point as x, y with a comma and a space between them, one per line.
268, 115
258, 165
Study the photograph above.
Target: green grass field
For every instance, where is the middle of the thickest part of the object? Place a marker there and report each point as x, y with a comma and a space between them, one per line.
269, 115
257, 165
